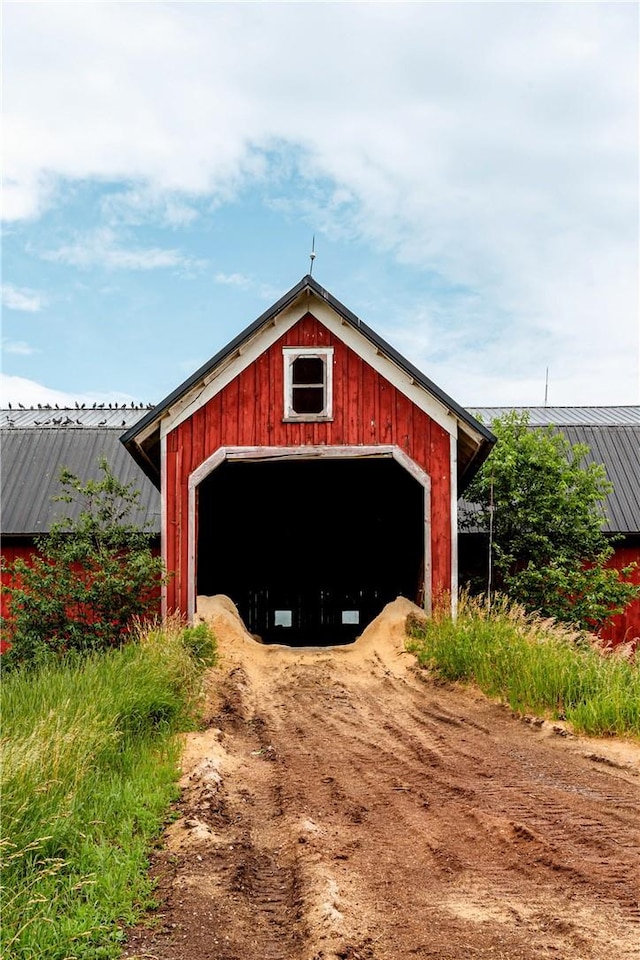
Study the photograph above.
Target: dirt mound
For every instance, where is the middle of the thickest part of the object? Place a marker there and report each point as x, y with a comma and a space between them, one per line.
222, 615
383, 639
341, 807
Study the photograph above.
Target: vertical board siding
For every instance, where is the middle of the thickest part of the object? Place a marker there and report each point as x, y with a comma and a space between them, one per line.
367, 409
626, 626
10, 552
440, 459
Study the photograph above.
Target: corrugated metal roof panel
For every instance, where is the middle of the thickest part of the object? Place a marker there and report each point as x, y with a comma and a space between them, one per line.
618, 448
566, 416
72, 418
30, 468
33, 455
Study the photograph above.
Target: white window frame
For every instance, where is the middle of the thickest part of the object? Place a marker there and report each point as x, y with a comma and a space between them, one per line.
290, 354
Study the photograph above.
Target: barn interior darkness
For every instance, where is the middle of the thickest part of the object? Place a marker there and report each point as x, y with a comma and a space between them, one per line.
310, 550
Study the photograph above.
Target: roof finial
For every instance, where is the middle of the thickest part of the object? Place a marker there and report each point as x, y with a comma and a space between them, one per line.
312, 255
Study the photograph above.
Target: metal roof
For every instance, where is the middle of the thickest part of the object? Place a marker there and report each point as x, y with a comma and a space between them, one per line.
32, 458
470, 456
566, 416
613, 437
34, 452
618, 448
72, 417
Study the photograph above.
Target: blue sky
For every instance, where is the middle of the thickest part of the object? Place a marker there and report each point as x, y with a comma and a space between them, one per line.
470, 173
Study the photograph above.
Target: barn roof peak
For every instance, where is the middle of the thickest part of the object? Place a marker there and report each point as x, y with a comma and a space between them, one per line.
140, 438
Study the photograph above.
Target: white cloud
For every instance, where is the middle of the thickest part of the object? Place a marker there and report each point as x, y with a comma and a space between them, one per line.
233, 279
18, 347
494, 145
29, 393
14, 298
429, 96
102, 248
241, 281
25, 196
139, 205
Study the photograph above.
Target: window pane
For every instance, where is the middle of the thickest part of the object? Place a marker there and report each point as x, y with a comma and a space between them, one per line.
308, 399
351, 616
308, 370
282, 618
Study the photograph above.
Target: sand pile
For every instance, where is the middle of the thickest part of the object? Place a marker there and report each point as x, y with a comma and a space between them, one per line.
383, 639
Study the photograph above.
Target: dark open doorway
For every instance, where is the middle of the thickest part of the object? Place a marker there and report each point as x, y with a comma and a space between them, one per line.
310, 550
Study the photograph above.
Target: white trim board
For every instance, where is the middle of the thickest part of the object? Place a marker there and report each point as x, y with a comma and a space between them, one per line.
453, 483
227, 371
306, 453
163, 520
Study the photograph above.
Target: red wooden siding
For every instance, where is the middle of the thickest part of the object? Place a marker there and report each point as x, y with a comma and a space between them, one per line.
367, 410
11, 552
626, 626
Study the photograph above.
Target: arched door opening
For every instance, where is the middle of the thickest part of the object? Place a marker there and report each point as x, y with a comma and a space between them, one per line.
310, 550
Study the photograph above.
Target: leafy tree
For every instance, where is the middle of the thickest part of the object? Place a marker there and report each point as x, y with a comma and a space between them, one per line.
93, 576
544, 508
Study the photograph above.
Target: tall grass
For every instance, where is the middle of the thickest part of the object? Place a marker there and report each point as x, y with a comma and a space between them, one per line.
535, 665
89, 770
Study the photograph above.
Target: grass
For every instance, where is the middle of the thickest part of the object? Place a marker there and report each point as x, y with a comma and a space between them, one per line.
534, 665
90, 757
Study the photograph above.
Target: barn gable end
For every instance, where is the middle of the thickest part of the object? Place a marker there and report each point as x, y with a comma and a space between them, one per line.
360, 405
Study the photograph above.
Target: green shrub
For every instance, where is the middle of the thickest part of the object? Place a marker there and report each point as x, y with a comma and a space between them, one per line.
94, 576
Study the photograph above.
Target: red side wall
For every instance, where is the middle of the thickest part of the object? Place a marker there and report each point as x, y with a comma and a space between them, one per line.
10, 552
367, 410
626, 626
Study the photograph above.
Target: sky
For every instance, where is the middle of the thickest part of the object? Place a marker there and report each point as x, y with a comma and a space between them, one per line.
469, 171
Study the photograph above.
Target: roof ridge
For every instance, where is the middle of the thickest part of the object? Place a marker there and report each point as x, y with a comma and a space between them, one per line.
22, 408
554, 406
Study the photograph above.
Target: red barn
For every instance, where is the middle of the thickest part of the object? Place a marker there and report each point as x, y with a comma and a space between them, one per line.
612, 436
36, 445
311, 473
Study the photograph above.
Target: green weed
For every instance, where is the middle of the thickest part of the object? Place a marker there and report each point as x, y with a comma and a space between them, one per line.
535, 665
90, 758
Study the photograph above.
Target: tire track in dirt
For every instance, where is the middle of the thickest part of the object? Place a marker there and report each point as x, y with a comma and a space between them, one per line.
339, 807
522, 834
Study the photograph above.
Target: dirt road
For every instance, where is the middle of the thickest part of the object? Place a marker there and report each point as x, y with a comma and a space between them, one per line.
342, 806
